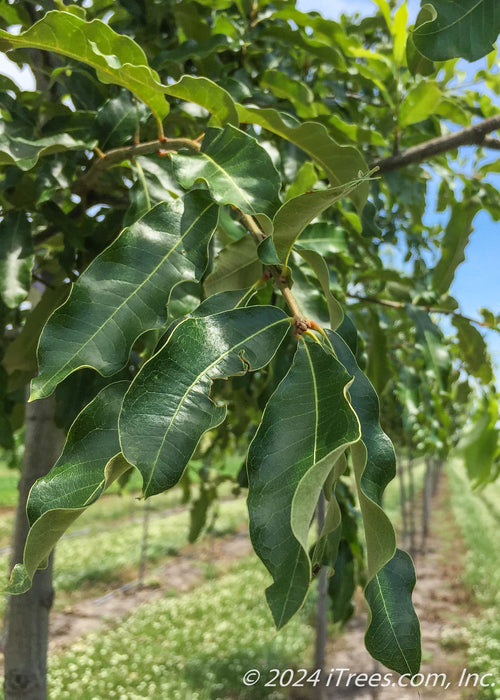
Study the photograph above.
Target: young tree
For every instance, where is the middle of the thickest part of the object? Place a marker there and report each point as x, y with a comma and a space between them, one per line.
214, 241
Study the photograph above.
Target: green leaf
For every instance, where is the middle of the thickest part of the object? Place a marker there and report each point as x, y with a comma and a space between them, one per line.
324, 237
209, 95
379, 369
341, 164
418, 64
155, 183
473, 350
479, 444
235, 267
306, 426
297, 93
457, 29
391, 574
304, 181
318, 264
98, 324
16, 258
24, 153
116, 57
236, 168
20, 355
89, 462
455, 239
292, 218
393, 634
420, 103
168, 406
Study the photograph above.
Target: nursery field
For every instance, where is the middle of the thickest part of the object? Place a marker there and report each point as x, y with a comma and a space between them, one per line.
199, 620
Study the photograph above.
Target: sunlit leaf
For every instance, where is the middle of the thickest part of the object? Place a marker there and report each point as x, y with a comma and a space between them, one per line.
168, 406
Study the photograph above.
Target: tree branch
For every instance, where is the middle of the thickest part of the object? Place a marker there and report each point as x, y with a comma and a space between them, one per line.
430, 309
117, 155
472, 135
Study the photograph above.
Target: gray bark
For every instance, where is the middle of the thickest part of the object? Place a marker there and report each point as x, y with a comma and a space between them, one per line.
25, 636
322, 605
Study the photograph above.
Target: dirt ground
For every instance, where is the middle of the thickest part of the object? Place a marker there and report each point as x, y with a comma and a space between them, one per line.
442, 603
441, 600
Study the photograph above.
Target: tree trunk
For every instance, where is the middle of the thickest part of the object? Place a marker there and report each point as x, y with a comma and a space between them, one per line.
27, 616
322, 605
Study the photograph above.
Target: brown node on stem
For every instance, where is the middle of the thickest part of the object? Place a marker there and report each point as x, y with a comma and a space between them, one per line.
301, 326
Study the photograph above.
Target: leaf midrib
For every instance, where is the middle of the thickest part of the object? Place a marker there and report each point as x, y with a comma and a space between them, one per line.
196, 380
127, 299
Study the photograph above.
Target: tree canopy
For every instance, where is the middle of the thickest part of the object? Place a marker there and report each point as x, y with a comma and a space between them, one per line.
198, 201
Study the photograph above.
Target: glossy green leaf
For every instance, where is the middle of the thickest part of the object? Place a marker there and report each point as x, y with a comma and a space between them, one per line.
306, 426
318, 264
391, 574
116, 57
168, 406
89, 462
341, 164
16, 258
473, 350
235, 267
292, 218
393, 634
98, 324
455, 239
24, 153
417, 63
458, 29
420, 103
207, 94
155, 183
236, 168
324, 237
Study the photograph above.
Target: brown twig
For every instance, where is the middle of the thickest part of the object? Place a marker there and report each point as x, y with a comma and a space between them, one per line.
277, 274
430, 309
117, 155
475, 135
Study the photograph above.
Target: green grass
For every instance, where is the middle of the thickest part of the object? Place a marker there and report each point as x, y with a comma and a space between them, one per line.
480, 527
8, 486
197, 645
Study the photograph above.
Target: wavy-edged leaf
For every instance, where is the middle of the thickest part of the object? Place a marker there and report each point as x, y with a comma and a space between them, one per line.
393, 634
117, 58
124, 291
317, 263
24, 153
292, 218
341, 163
236, 266
457, 29
307, 424
89, 462
209, 95
236, 168
168, 406
16, 258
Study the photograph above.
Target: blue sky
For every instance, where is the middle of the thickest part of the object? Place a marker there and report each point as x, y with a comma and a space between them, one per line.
477, 280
